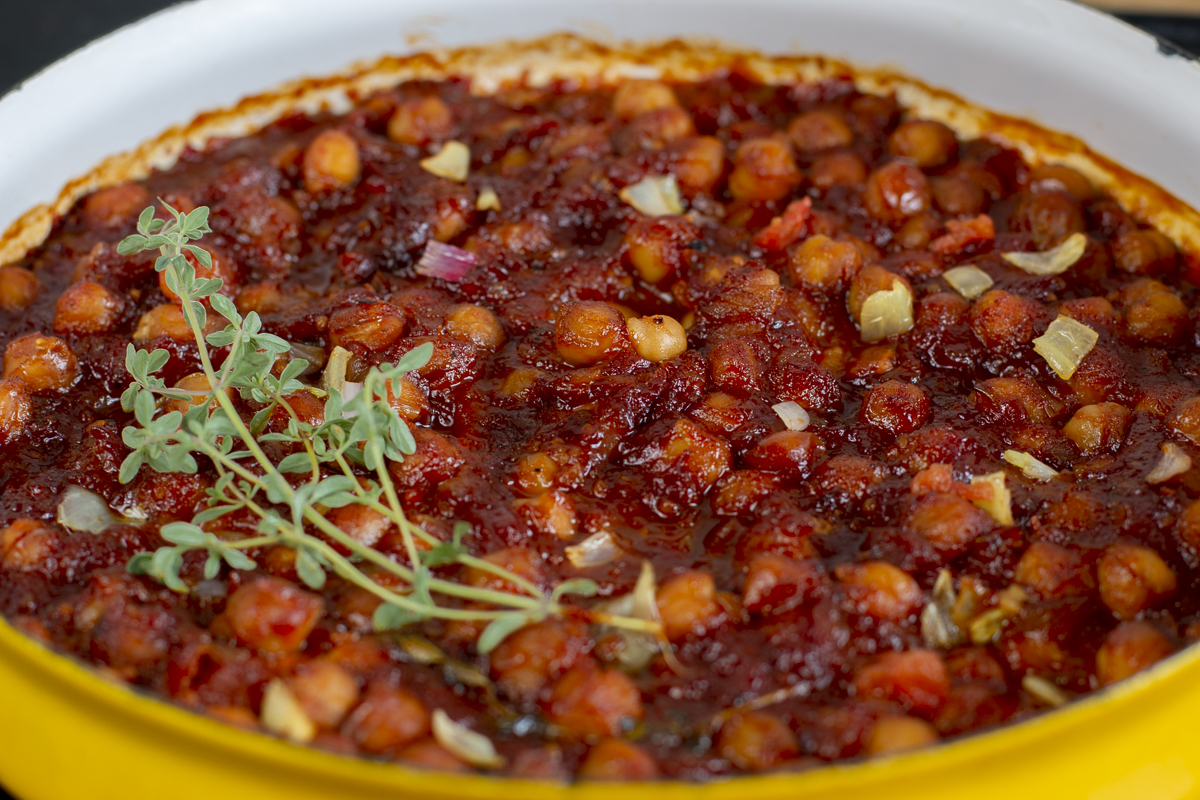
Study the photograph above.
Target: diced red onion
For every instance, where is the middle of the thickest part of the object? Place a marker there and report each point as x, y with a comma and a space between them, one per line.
445, 261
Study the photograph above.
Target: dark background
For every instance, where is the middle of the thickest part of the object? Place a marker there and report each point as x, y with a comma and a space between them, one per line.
36, 33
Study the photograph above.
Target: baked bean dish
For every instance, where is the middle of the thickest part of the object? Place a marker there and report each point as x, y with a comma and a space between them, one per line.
657, 430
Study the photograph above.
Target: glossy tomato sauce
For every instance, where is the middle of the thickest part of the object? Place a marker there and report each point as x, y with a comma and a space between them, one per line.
795, 568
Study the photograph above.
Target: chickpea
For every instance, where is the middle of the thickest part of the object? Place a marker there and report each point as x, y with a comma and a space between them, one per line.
880, 590
517, 560
735, 367
839, 168
386, 719
825, 265
1054, 572
326, 691
429, 755
1133, 578
1049, 217
1055, 177
947, 521
917, 679
869, 280
791, 454
819, 130
617, 760
776, 583
166, 321
220, 267
87, 307
1005, 321
928, 144
657, 246
536, 473
550, 513
476, 324
273, 615
331, 162
1160, 319
756, 740
421, 121
412, 403
374, 325
527, 661
958, 195
896, 734
1098, 428
1095, 312
261, 297
895, 192
1186, 418
1128, 649
15, 409
637, 97
588, 702
763, 169
699, 164
687, 604
657, 338
115, 206
44, 363
26, 543
895, 407
918, 231
364, 525
18, 289
655, 129
195, 382
1143, 252
1188, 525
589, 332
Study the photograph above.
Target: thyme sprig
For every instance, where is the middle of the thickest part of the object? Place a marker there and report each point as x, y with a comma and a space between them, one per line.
340, 462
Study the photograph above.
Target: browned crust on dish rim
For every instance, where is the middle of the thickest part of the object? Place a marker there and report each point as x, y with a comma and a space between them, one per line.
584, 62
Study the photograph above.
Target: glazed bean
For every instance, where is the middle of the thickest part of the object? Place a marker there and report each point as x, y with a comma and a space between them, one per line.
15, 409
838, 168
1098, 428
588, 702
897, 734
947, 521
1128, 649
1133, 578
775, 583
687, 604
1054, 571
617, 760
533, 657
419, 122
475, 324
896, 192
331, 162
735, 367
589, 332
658, 247
1143, 252
115, 206
637, 97
916, 679
1159, 319
374, 325
895, 407
165, 321
699, 164
1049, 217
26, 543
364, 525
819, 130
387, 719
19, 287
326, 691
657, 338
880, 590
44, 363
926, 143
1004, 321
429, 755
763, 169
273, 615
1056, 177
755, 740
822, 264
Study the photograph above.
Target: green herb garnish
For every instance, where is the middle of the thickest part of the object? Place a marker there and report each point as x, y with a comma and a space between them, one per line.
345, 459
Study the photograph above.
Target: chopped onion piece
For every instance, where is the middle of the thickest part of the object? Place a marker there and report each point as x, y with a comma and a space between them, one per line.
1030, 467
886, 313
315, 356
1043, 690
1000, 504
1173, 462
654, 196
487, 200
335, 369
283, 715
968, 281
445, 261
794, 417
645, 591
1054, 261
639, 648
453, 162
81, 510
1065, 344
595, 551
471, 746
937, 618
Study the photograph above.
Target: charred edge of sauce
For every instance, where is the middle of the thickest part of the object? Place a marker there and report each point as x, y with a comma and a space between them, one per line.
567, 56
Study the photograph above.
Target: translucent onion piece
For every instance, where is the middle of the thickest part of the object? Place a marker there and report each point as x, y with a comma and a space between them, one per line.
639, 648
453, 162
970, 282
471, 746
794, 417
1065, 344
595, 551
1054, 261
445, 261
283, 715
335, 369
315, 356
1173, 462
886, 313
654, 196
937, 618
487, 200
1000, 504
1030, 467
84, 511
1043, 690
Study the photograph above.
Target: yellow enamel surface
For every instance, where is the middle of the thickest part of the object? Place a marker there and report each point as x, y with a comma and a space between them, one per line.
66, 733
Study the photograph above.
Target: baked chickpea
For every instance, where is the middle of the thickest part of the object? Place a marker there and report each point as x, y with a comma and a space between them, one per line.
657, 338
429, 755
87, 307
1054, 572
589, 702
18, 289
1004, 321
1098, 428
763, 169
617, 760
326, 691
638, 97
1133, 578
735, 367
475, 324
412, 403
869, 280
1143, 252
917, 232
1185, 418
822, 264
387, 718
273, 615
819, 130
655, 129
880, 589
421, 121
839, 168
1188, 525
372, 325
958, 195
15, 409
895, 407
195, 382
895, 192
219, 267
26, 543
917, 679
1055, 177
699, 164
115, 206
1049, 217
364, 525
589, 332
657, 247
331, 162
756, 740
166, 321
897, 734
1159, 319
527, 661
1128, 649
928, 144
44, 363
687, 604
947, 521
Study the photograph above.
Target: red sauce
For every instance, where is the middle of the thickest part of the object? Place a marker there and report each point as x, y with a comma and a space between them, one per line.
793, 566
